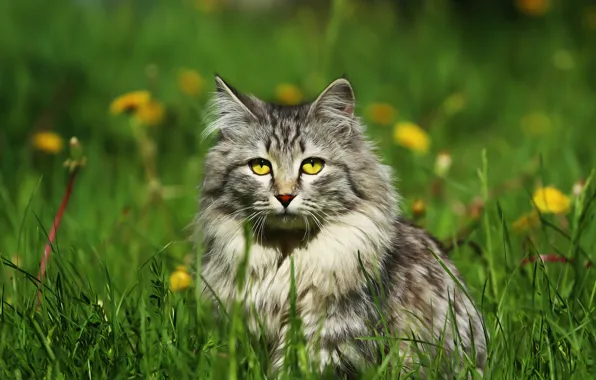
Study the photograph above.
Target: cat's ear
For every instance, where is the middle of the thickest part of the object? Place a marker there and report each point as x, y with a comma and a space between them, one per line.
231, 100
232, 109
336, 101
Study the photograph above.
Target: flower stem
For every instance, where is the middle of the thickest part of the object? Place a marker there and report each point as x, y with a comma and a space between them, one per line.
52, 237
550, 258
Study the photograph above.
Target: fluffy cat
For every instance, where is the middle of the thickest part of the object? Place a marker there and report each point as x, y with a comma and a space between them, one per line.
308, 182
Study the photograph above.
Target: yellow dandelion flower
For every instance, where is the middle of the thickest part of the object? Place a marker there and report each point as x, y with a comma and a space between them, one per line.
411, 136
288, 94
180, 279
454, 103
551, 200
418, 208
48, 142
151, 113
533, 7
129, 102
526, 222
190, 82
382, 113
536, 124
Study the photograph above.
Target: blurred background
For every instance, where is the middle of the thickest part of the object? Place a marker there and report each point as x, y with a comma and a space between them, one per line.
437, 82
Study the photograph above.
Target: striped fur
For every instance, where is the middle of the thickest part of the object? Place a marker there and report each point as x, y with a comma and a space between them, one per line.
360, 269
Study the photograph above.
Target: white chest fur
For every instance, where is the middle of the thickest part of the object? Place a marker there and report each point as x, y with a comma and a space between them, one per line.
330, 264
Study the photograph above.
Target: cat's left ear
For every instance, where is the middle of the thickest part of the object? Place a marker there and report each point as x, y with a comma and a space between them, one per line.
336, 101
234, 111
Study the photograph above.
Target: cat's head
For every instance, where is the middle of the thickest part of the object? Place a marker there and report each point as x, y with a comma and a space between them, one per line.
296, 165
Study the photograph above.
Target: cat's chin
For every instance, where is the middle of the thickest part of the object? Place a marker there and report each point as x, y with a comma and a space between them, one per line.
287, 222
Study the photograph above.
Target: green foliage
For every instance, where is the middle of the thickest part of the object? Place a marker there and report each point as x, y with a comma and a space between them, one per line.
107, 311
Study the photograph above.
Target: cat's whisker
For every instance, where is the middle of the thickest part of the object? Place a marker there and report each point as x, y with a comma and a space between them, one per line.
313, 215
328, 217
243, 209
306, 231
261, 228
255, 225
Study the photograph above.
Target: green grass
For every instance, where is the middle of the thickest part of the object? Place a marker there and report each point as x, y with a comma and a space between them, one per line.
107, 311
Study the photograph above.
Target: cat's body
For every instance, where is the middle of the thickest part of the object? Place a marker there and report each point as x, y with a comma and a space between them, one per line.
315, 194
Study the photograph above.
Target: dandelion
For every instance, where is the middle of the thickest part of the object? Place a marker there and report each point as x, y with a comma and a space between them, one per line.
533, 7
418, 208
443, 163
551, 200
130, 102
411, 136
382, 113
454, 103
180, 279
536, 123
190, 82
48, 142
288, 94
151, 113
578, 187
526, 222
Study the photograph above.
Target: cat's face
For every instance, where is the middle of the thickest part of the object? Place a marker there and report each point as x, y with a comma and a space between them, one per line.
289, 167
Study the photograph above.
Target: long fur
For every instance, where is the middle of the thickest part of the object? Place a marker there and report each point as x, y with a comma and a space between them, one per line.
360, 269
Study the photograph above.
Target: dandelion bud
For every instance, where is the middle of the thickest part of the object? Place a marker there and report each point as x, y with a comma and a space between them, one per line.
578, 187
443, 163
180, 279
418, 208
476, 208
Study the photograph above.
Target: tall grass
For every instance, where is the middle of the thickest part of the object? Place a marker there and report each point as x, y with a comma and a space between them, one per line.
107, 310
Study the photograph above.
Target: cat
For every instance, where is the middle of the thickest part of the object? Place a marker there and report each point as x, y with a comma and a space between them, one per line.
318, 201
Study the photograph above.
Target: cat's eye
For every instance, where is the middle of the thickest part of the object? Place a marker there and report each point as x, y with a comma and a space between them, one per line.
312, 165
260, 166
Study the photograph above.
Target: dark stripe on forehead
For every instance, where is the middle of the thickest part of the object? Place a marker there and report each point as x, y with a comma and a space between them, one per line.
286, 135
297, 132
275, 139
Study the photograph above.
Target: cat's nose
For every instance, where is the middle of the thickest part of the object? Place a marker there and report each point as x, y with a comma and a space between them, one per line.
285, 199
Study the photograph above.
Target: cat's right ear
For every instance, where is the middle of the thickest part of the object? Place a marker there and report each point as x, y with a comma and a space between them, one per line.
231, 100
233, 110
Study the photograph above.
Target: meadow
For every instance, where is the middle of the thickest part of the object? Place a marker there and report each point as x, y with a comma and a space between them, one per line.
487, 116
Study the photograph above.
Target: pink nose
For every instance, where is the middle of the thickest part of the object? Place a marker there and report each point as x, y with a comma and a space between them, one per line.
285, 199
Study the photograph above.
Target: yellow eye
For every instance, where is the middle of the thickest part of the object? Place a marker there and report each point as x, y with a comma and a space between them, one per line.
312, 165
260, 166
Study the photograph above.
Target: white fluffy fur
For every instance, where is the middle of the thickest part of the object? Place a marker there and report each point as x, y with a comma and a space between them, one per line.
328, 267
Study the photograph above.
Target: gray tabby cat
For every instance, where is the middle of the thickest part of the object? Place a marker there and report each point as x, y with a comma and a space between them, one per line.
311, 187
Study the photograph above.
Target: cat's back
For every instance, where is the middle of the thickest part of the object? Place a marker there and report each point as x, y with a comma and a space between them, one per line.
428, 294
